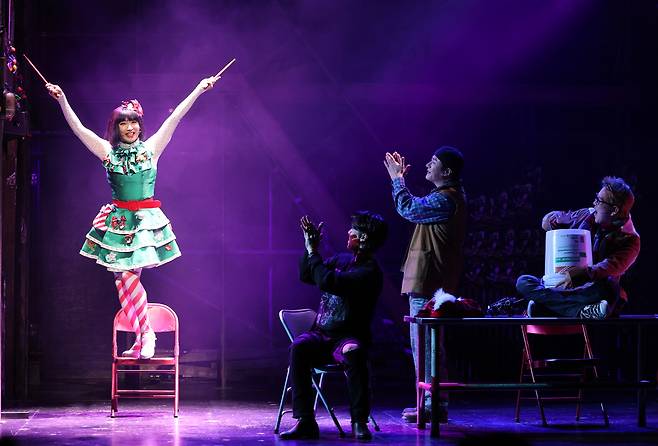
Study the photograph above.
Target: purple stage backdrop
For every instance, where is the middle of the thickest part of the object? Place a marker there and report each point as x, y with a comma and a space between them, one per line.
299, 125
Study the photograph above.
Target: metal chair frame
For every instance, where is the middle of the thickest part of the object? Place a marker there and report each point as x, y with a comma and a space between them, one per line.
530, 365
163, 319
295, 322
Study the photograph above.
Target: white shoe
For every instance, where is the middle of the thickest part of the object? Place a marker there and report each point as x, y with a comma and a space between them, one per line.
595, 311
148, 345
134, 351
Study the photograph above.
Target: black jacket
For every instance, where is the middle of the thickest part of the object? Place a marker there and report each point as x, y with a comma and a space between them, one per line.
350, 293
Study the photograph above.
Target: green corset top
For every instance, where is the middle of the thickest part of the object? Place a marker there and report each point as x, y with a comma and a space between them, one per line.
130, 172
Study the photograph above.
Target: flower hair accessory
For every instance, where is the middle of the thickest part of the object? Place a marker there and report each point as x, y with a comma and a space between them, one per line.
134, 106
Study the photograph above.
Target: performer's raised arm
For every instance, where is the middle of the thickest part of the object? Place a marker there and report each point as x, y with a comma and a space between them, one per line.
161, 138
97, 145
132, 232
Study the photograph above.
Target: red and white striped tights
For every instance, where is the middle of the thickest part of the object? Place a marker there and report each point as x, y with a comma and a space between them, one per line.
132, 296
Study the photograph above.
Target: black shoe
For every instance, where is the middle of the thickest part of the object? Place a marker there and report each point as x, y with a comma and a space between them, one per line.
360, 431
304, 429
507, 306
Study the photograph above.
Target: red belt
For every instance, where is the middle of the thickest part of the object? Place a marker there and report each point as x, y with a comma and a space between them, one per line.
137, 204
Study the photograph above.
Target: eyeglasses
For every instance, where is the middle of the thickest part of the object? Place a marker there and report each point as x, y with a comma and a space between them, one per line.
597, 201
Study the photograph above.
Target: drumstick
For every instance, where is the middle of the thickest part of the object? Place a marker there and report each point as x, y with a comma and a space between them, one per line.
38, 72
225, 67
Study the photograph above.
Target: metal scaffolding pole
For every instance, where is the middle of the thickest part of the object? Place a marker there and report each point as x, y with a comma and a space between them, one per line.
2, 134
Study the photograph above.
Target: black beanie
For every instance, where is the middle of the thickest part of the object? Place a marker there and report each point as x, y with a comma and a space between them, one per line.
451, 157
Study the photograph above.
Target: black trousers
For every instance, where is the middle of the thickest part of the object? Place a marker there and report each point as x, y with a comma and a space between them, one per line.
313, 349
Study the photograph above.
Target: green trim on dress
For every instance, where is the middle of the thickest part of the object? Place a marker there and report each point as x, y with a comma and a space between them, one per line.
133, 239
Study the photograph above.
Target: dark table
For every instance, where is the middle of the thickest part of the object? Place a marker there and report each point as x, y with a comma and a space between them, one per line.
637, 321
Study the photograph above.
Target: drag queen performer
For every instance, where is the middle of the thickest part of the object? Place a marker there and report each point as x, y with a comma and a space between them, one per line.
131, 233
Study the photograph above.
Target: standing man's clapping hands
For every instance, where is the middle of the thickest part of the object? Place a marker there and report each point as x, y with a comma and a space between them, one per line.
396, 165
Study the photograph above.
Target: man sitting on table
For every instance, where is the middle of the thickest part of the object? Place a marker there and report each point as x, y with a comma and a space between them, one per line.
591, 292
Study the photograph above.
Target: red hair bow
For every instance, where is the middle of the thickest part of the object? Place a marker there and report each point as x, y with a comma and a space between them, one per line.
133, 105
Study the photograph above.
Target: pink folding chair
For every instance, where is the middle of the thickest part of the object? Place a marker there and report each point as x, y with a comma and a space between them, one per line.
163, 319
532, 367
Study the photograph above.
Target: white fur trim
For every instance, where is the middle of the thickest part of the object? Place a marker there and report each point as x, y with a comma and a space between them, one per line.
441, 296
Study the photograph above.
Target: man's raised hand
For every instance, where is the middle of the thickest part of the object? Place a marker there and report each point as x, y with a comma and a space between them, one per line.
312, 234
395, 165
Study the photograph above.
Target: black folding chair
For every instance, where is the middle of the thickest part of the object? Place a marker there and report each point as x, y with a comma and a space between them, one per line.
294, 323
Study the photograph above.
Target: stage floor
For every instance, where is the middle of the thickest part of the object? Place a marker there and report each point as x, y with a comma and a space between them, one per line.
247, 423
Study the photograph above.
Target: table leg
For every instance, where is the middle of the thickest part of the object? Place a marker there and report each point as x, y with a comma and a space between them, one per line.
436, 335
641, 393
420, 376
